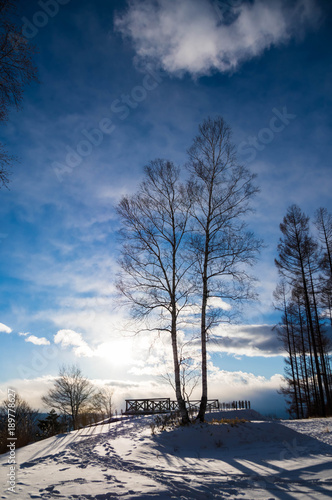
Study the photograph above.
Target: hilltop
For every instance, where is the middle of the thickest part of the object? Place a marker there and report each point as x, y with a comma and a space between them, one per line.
252, 459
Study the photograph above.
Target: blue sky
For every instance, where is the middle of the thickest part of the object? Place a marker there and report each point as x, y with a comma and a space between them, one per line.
122, 83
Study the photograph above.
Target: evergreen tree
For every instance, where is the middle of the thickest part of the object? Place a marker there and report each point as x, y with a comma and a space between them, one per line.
299, 263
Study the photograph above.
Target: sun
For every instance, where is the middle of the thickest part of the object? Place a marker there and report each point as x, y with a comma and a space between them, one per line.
118, 351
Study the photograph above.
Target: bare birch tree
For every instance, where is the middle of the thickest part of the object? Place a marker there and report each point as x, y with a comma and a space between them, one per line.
154, 264
221, 244
189, 370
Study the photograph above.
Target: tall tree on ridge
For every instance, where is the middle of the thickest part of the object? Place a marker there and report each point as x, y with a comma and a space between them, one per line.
296, 252
323, 223
154, 262
221, 244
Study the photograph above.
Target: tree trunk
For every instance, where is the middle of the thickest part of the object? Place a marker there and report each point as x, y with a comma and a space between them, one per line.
202, 407
182, 405
320, 344
297, 378
205, 293
306, 385
314, 346
291, 360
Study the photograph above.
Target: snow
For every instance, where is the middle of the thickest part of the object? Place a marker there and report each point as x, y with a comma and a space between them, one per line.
255, 459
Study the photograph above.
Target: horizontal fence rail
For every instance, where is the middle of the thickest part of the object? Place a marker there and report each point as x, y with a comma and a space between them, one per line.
165, 405
235, 405
146, 406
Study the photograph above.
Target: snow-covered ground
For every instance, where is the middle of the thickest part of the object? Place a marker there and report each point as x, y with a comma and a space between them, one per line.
257, 459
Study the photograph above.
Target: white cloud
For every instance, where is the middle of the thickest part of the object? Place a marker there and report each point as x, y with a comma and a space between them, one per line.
31, 390
261, 391
23, 334
117, 350
194, 36
69, 338
223, 385
218, 303
97, 323
246, 340
37, 340
5, 328
239, 380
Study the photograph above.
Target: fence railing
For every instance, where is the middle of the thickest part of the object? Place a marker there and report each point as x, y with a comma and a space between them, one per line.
166, 405
235, 405
146, 406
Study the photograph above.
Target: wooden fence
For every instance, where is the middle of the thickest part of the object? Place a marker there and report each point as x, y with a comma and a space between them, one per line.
165, 405
235, 405
146, 406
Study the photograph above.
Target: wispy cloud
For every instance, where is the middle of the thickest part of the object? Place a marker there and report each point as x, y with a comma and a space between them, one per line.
73, 339
218, 303
5, 328
193, 36
37, 340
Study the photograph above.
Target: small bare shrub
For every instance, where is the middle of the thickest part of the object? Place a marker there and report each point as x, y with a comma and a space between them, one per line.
168, 420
